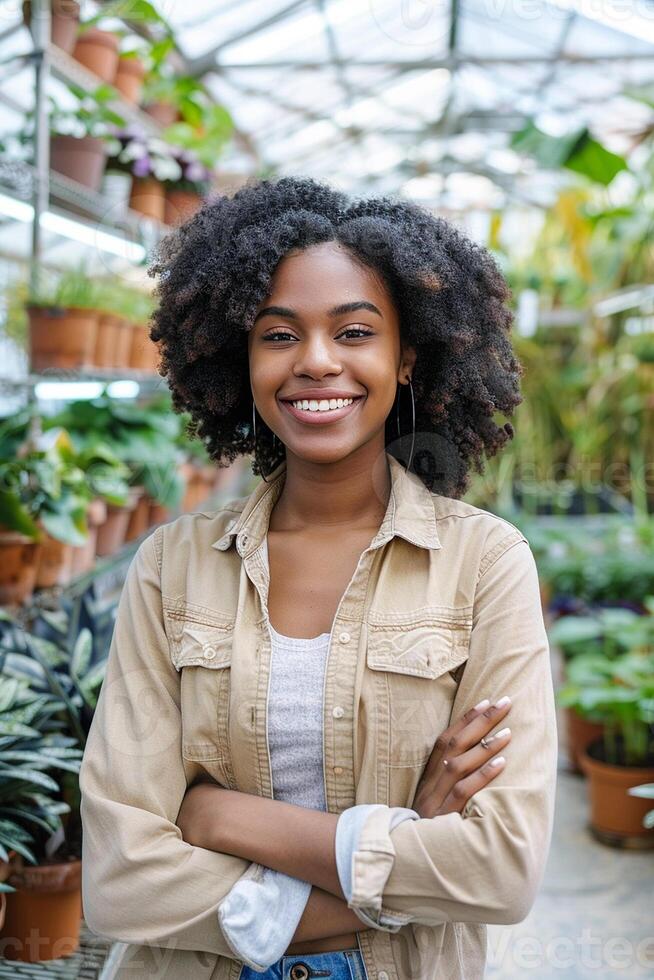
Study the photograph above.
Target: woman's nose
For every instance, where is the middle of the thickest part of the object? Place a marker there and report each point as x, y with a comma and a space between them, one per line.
316, 358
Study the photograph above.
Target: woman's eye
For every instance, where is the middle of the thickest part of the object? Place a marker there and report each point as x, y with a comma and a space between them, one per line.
355, 332
278, 333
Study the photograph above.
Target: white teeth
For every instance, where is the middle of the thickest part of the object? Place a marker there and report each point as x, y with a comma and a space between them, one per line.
324, 405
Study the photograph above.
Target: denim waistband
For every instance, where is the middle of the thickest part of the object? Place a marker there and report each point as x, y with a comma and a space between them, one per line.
342, 964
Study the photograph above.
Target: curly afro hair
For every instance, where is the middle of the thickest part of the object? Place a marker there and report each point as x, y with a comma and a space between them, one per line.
215, 269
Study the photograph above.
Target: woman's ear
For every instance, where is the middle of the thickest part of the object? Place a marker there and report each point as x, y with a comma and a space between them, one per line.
407, 363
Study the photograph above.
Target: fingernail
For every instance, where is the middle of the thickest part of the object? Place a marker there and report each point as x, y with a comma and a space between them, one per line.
500, 734
497, 761
482, 704
503, 702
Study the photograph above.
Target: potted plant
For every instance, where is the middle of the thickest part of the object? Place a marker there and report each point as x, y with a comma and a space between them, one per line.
148, 160
143, 437
63, 322
184, 195
47, 494
43, 877
107, 478
79, 135
64, 22
57, 658
144, 353
202, 136
97, 50
619, 690
130, 73
604, 631
167, 96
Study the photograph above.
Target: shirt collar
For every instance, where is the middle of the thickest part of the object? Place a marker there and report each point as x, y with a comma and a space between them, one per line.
410, 512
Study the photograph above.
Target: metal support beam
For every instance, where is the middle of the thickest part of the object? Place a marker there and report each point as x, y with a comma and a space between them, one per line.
40, 27
427, 64
207, 61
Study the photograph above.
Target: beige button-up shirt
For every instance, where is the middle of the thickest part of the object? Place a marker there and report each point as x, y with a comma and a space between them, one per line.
442, 611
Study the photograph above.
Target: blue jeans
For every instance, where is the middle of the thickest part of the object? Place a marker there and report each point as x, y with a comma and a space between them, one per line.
346, 964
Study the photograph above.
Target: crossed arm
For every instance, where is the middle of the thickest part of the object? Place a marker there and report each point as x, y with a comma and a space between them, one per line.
294, 840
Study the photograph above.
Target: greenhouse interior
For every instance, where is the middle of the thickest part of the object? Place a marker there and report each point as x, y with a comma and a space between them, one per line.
529, 126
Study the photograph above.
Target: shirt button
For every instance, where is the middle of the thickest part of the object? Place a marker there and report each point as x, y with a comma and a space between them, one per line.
382, 975
338, 770
338, 712
209, 652
344, 637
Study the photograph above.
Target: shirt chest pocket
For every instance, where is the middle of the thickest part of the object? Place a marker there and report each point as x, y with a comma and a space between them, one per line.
415, 661
202, 653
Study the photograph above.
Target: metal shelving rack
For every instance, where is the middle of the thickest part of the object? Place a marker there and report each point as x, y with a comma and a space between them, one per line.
46, 190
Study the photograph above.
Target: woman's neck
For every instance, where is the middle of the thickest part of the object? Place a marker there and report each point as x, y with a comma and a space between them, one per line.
351, 493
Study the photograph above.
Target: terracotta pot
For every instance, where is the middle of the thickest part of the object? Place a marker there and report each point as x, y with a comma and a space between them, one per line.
61, 338
194, 485
158, 513
84, 555
180, 205
143, 351
129, 78
19, 561
44, 914
64, 22
123, 348
5, 870
111, 533
164, 112
580, 733
98, 51
616, 818
80, 158
55, 563
139, 518
109, 325
148, 197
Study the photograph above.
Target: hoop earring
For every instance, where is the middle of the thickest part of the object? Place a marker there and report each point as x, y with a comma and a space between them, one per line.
413, 420
254, 432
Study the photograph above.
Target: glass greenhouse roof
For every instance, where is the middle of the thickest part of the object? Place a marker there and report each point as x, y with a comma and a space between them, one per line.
419, 98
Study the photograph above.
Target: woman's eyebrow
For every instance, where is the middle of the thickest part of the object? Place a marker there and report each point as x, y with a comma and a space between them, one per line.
339, 310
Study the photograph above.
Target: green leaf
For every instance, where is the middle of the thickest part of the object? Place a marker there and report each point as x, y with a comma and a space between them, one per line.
14, 515
29, 776
594, 161
82, 654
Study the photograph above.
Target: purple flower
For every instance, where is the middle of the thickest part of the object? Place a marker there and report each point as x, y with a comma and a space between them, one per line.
141, 167
195, 171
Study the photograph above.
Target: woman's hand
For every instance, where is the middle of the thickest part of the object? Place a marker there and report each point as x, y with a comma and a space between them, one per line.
459, 765
198, 815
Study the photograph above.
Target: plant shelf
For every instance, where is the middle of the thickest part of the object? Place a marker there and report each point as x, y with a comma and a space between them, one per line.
65, 68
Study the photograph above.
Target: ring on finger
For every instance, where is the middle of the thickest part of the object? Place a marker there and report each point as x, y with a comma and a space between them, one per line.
482, 741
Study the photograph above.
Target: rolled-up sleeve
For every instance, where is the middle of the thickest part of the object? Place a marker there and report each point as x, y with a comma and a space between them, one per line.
485, 864
141, 882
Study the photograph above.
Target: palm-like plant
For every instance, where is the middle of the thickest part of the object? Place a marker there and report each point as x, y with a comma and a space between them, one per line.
61, 671
32, 744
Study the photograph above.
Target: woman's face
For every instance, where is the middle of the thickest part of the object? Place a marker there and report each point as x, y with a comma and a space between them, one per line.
328, 330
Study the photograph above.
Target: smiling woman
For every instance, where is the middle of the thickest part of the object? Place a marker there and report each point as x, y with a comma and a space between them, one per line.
326, 658
318, 281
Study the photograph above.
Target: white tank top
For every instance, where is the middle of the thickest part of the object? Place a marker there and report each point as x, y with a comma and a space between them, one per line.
295, 707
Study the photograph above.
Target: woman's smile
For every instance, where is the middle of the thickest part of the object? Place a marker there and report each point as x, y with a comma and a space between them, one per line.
321, 411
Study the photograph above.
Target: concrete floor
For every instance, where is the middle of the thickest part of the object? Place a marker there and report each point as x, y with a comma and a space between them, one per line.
594, 916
